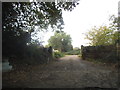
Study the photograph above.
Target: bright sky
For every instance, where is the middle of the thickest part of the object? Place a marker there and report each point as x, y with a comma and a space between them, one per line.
87, 14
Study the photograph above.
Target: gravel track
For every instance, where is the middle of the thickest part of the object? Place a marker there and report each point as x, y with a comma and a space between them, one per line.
66, 72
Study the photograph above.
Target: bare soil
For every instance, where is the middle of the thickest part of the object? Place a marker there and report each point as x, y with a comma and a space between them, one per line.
66, 72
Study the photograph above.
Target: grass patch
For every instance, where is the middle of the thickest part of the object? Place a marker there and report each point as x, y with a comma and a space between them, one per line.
73, 52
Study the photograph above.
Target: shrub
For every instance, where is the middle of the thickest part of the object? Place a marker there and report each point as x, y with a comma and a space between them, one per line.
58, 54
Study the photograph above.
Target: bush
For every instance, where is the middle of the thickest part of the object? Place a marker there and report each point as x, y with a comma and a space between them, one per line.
58, 54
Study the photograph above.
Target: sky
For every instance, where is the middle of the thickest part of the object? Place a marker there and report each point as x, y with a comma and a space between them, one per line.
87, 14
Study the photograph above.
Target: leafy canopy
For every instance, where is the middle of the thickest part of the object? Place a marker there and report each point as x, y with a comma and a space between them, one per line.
102, 35
61, 41
19, 20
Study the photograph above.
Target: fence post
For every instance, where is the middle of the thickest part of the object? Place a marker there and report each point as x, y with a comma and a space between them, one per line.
50, 51
82, 52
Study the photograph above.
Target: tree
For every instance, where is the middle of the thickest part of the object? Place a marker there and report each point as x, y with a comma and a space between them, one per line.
60, 41
19, 20
115, 25
102, 35
27, 15
76, 48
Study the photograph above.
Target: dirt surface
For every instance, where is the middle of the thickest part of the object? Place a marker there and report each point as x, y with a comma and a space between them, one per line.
67, 72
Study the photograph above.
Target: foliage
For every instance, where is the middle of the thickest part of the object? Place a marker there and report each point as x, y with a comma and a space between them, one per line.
30, 14
19, 21
58, 54
60, 41
102, 35
115, 22
115, 25
76, 48
75, 51
34, 54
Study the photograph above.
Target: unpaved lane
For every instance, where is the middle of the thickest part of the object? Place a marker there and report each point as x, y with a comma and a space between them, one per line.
71, 72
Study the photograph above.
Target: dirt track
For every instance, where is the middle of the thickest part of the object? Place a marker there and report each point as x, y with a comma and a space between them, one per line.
69, 72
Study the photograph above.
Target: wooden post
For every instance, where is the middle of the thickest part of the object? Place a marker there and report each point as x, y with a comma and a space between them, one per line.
82, 52
50, 51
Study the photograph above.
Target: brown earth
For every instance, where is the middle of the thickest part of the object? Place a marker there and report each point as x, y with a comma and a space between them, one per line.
66, 72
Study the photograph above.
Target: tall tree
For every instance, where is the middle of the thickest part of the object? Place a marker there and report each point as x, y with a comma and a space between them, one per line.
115, 25
19, 20
61, 41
